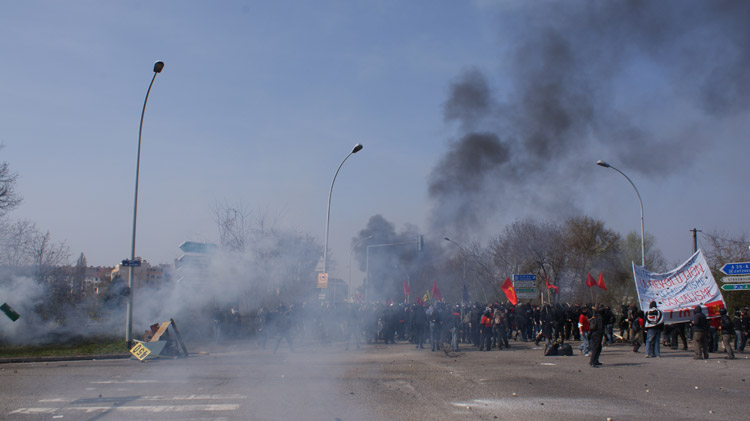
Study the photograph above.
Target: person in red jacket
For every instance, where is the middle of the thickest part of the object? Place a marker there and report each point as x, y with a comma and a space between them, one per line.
486, 323
583, 328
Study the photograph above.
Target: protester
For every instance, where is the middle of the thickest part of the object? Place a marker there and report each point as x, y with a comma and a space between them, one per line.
654, 327
596, 329
436, 324
726, 327
486, 323
583, 329
454, 327
743, 321
637, 330
678, 330
700, 333
284, 328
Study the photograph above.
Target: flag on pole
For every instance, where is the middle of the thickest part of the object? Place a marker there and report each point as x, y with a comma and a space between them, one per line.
436, 292
553, 287
509, 291
426, 297
407, 289
590, 281
465, 294
600, 284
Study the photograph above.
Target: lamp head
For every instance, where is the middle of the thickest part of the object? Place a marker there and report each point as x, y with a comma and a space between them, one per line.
358, 147
602, 164
158, 66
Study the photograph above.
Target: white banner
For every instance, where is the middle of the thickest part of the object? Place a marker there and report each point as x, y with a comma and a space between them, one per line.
679, 291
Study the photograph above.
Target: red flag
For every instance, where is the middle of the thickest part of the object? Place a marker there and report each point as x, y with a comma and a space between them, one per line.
554, 287
713, 308
509, 291
590, 281
436, 292
601, 281
407, 289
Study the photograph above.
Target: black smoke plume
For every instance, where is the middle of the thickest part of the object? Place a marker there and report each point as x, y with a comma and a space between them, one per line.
569, 70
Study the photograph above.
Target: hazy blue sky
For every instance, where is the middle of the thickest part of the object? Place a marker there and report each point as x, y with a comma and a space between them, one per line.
260, 101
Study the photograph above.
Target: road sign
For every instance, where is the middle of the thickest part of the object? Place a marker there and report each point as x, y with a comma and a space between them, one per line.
131, 263
735, 287
736, 279
322, 280
193, 261
140, 351
740, 268
195, 247
527, 277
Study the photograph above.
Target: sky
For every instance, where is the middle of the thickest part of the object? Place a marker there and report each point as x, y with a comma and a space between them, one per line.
472, 115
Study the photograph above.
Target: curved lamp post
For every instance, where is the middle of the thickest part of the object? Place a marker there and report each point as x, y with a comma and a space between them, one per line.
643, 237
158, 66
358, 147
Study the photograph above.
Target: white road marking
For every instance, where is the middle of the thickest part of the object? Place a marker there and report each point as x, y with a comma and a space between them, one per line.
162, 398
153, 409
128, 381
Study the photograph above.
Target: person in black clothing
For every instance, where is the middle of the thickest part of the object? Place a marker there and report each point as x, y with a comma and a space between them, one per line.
476, 317
596, 332
743, 321
700, 333
678, 330
419, 323
436, 325
727, 329
284, 328
548, 321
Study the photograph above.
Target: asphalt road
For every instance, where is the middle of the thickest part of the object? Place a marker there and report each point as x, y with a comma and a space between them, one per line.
238, 381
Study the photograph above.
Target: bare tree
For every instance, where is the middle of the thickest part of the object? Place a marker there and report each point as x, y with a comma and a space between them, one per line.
9, 199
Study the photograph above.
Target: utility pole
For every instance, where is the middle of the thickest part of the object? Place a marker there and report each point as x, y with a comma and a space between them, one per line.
695, 239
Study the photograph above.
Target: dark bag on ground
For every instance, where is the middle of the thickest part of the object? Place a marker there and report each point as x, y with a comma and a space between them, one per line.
550, 349
565, 350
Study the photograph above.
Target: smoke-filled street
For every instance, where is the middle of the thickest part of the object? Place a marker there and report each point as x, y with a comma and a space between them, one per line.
238, 381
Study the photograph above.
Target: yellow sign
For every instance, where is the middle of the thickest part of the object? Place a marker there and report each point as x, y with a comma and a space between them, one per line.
140, 351
322, 280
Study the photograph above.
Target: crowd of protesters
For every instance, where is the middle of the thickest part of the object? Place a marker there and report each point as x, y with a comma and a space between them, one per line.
445, 327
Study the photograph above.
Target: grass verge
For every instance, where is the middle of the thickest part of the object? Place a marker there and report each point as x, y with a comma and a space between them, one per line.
88, 346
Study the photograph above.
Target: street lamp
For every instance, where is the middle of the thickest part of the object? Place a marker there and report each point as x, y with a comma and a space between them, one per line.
158, 66
358, 147
348, 294
643, 237
463, 254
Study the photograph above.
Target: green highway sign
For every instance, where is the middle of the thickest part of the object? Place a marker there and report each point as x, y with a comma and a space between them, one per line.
735, 287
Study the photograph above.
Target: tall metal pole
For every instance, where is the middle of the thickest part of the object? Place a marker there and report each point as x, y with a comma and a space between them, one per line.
158, 66
358, 147
643, 231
